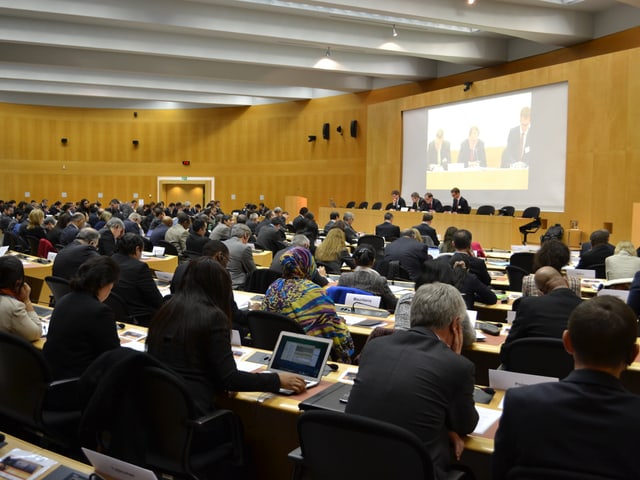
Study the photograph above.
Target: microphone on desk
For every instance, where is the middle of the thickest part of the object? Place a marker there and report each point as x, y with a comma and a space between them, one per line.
353, 306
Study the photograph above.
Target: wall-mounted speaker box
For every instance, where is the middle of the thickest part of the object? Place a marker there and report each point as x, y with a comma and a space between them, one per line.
354, 128
325, 131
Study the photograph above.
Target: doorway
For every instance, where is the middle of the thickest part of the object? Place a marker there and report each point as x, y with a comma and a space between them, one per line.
182, 189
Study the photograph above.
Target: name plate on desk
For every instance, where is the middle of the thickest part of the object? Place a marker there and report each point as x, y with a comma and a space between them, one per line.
352, 299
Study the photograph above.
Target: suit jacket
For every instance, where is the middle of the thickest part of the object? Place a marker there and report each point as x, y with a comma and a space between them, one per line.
460, 205
409, 253
220, 232
436, 206
432, 153
158, 234
269, 238
177, 236
569, 425
544, 316
399, 204
69, 233
107, 244
388, 230
479, 154
69, 259
241, 262
428, 231
595, 256
478, 267
621, 265
196, 242
350, 234
371, 281
414, 380
512, 152
80, 330
136, 287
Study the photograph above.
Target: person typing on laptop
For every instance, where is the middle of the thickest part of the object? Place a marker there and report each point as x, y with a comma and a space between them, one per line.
191, 334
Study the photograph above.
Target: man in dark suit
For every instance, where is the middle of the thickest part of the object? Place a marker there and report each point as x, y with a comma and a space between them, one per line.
409, 252
135, 284
431, 204
350, 234
462, 243
460, 204
269, 236
426, 230
397, 202
600, 249
69, 233
418, 380
547, 315
438, 152
159, 232
69, 259
197, 238
387, 229
333, 218
569, 426
518, 152
109, 235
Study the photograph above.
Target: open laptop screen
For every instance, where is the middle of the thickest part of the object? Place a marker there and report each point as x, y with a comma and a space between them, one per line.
301, 354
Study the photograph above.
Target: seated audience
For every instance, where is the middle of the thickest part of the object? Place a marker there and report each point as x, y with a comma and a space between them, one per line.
349, 232
332, 253
472, 289
197, 237
269, 236
417, 379
364, 277
387, 229
417, 203
223, 229
81, 326
191, 334
103, 218
34, 227
319, 277
76, 222
409, 252
177, 234
431, 204
333, 218
446, 246
132, 224
624, 263
17, 315
136, 285
426, 230
69, 259
565, 429
160, 231
297, 297
544, 316
109, 235
462, 244
552, 253
600, 250
241, 263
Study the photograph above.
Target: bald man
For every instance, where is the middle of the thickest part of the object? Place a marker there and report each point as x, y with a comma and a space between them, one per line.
544, 316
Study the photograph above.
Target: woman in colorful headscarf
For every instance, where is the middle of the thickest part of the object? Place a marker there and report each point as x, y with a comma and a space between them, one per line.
297, 297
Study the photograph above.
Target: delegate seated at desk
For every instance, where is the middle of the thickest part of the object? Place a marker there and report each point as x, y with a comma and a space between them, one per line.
17, 315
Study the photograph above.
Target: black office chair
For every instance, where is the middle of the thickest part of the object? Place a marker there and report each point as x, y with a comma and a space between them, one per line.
515, 275
363, 205
169, 248
351, 204
15, 242
59, 288
190, 254
537, 356
392, 270
260, 279
524, 260
486, 210
376, 241
119, 307
383, 450
600, 269
376, 206
34, 243
533, 226
265, 327
146, 416
30, 399
507, 211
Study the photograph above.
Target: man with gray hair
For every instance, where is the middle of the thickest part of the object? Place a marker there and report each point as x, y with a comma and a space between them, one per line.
109, 235
69, 259
349, 233
132, 224
69, 233
418, 380
241, 262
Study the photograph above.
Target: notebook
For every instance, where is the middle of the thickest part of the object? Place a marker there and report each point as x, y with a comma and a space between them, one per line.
301, 354
117, 469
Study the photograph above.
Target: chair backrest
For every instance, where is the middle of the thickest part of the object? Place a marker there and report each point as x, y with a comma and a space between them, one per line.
59, 286
376, 241
507, 211
15, 242
537, 356
265, 327
376, 206
363, 205
531, 212
393, 270
486, 210
339, 294
118, 306
169, 248
403, 451
34, 242
515, 275
350, 204
524, 260
600, 269
24, 379
259, 280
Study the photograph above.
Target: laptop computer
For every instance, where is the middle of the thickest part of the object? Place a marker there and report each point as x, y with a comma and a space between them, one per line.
302, 355
116, 469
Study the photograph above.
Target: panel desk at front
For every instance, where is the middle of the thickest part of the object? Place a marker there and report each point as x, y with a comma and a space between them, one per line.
491, 231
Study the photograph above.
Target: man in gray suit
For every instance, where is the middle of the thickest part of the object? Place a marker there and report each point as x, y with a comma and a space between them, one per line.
241, 262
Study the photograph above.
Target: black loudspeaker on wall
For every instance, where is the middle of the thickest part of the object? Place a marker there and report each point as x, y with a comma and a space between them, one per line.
354, 128
325, 131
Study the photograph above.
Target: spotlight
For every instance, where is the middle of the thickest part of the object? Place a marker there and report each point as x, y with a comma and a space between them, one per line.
394, 32
467, 86
328, 52
471, 2
311, 138
135, 143
339, 129
64, 140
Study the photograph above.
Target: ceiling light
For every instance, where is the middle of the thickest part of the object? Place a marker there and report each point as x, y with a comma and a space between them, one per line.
471, 2
394, 32
328, 52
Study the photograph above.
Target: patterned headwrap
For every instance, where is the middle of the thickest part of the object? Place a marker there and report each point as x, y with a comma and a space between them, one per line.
297, 263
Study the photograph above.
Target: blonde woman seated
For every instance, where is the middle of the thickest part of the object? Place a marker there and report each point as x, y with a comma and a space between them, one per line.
366, 278
332, 252
552, 253
624, 263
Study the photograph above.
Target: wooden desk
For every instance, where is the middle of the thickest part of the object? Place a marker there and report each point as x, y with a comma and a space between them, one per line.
493, 232
167, 263
263, 258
